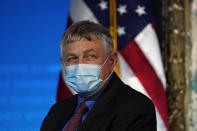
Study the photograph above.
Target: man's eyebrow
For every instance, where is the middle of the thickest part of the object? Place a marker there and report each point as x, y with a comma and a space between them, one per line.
89, 50
69, 54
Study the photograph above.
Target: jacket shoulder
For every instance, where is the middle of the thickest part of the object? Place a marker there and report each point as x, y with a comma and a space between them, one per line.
58, 114
134, 111
136, 100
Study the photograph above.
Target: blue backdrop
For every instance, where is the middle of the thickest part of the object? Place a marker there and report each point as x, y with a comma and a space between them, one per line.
30, 33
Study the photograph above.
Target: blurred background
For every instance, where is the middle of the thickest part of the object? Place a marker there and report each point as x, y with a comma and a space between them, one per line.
30, 34
30, 69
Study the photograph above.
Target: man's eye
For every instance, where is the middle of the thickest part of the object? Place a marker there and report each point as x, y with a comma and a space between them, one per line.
92, 56
71, 59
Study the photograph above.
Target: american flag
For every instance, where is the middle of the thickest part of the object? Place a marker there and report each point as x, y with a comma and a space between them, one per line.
139, 56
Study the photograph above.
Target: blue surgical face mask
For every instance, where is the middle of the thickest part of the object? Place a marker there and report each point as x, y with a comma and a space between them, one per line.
84, 78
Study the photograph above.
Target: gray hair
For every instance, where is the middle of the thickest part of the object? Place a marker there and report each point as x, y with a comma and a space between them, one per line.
83, 29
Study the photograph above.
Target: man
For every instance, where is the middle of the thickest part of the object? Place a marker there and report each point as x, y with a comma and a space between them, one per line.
103, 102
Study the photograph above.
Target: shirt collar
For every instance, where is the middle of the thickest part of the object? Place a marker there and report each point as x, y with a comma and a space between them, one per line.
90, 102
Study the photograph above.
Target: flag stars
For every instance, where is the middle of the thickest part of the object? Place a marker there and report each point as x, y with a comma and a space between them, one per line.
121, 31
140, 10
122, 9
103, 5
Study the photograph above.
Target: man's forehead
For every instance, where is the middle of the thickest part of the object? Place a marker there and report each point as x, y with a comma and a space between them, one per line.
84, 46
84, 43
87, 36
89, 50
84, 51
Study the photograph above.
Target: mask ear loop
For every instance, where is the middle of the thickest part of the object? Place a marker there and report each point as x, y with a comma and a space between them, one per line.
112, 70
102, 65
110, 74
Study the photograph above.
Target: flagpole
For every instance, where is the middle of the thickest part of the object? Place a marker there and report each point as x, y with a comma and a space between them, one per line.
113, 27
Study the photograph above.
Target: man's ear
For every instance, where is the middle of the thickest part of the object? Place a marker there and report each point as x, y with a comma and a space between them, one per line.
113, 60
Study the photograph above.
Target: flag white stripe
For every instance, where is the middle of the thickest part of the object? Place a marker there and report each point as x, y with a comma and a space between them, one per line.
79, 11
160, 124
148, 43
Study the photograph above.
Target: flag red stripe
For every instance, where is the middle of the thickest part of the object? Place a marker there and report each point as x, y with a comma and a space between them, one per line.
154, 26
147, 76
69, 21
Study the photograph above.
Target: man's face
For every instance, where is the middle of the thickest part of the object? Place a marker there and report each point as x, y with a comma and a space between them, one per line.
89, 52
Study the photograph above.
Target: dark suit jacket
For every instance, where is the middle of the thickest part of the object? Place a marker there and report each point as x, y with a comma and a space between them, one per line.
118, 108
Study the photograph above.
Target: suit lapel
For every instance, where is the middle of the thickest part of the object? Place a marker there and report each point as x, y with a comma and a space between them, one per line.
67, 112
